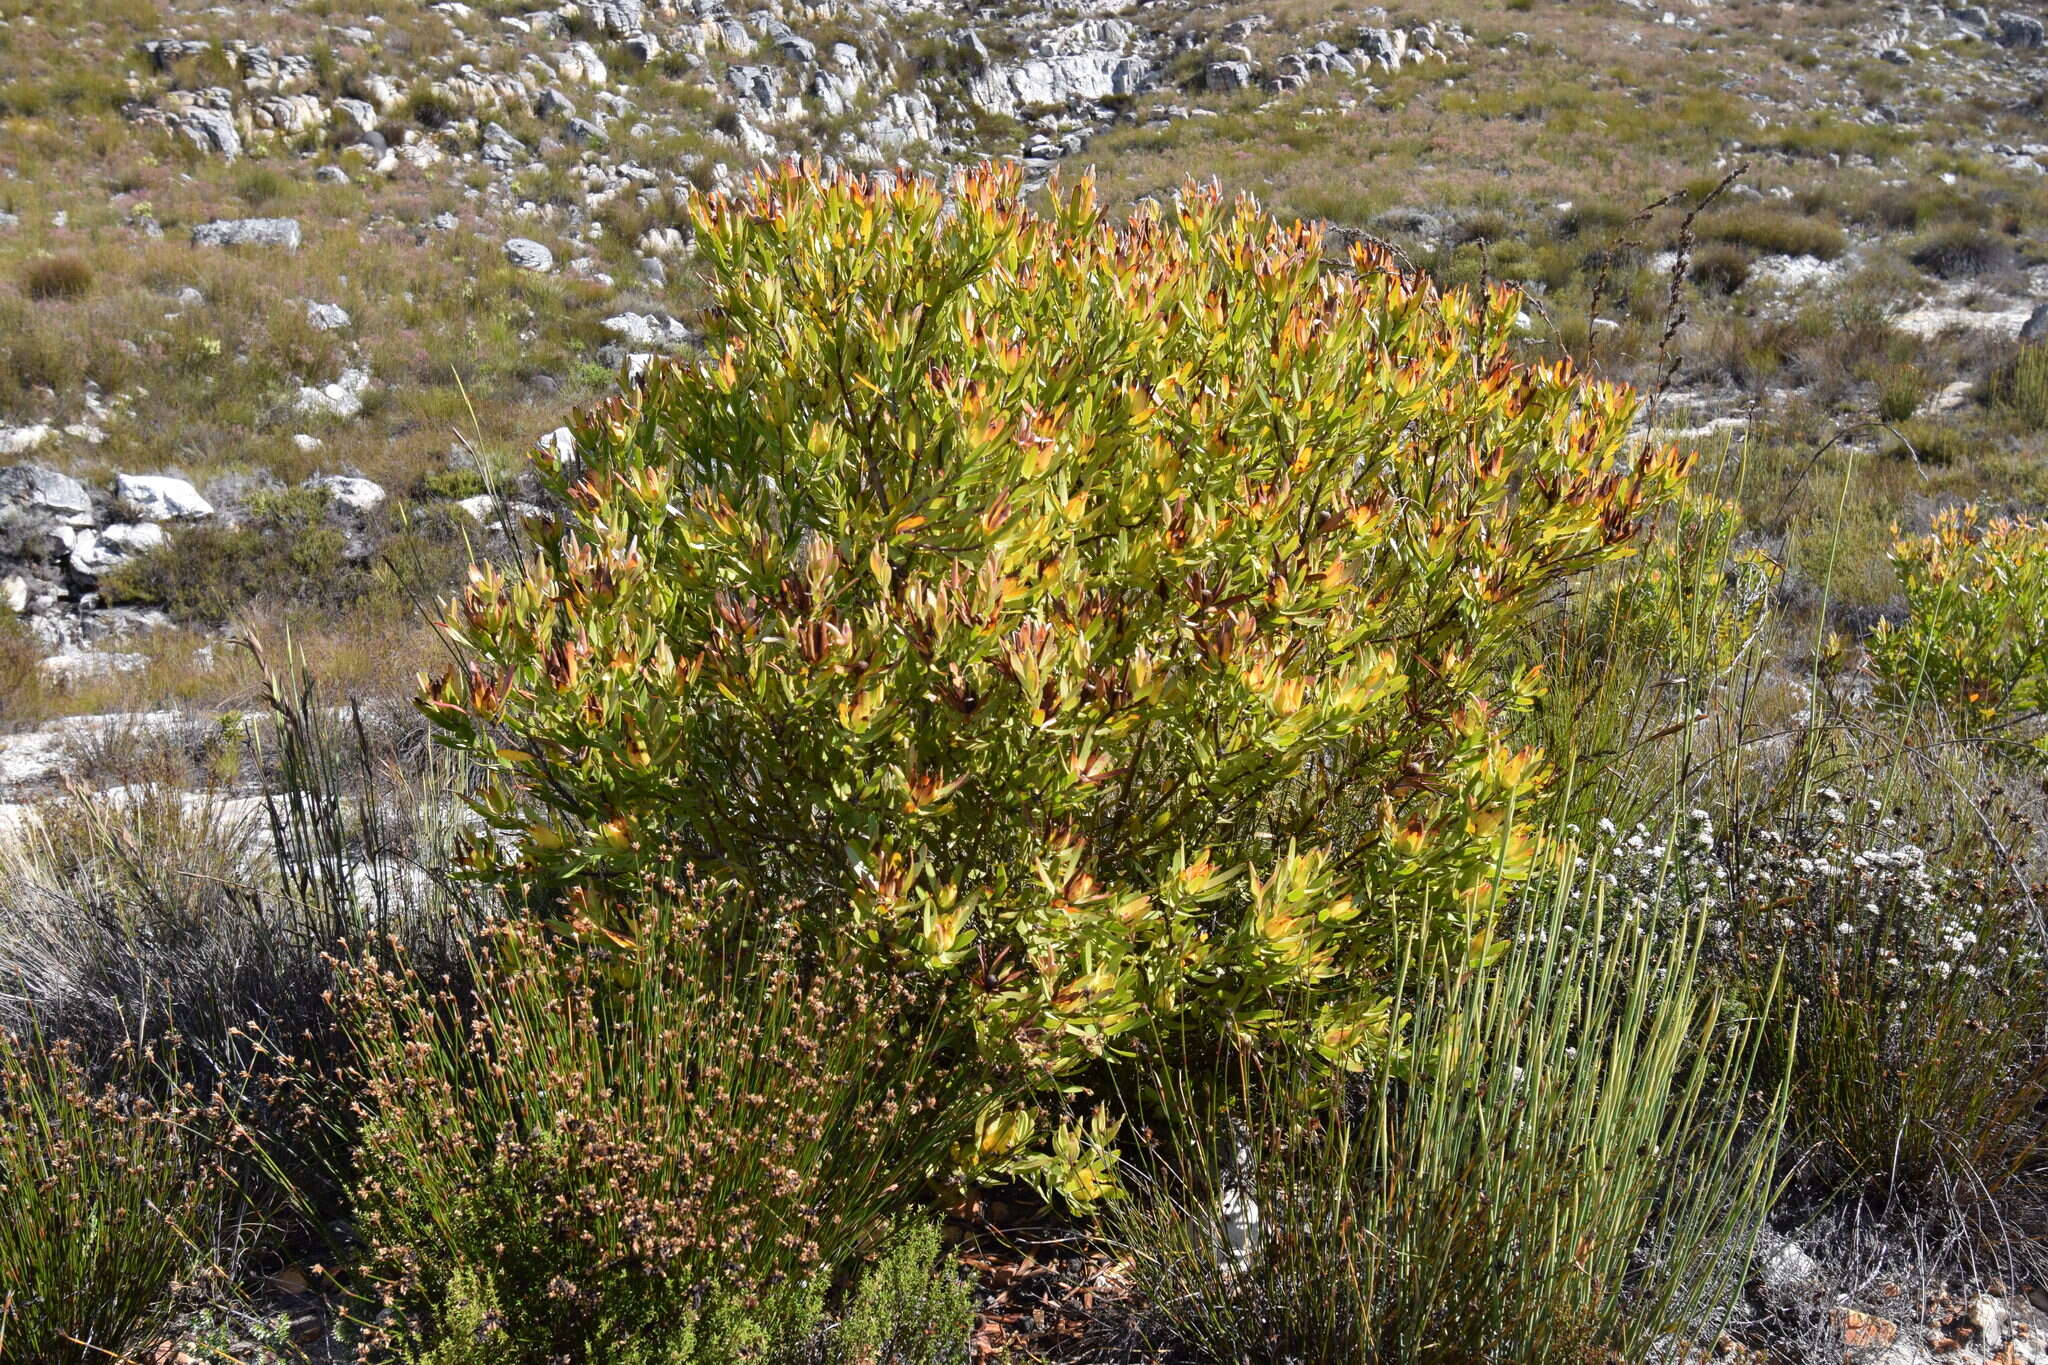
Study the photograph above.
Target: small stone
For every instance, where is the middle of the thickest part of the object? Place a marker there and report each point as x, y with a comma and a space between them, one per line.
649, 331
327, 317
21, 440
1984, 1320
77, 665
1861, 1331
278, 232
14, 593
560, 444
342, 399
1785, 1275
360, 496
1225, 77
527, 254
160, 497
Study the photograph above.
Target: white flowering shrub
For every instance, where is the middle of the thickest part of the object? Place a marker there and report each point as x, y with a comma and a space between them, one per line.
1913, 981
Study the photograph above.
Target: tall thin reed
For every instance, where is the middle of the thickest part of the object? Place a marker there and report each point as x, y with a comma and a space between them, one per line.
1557, 1159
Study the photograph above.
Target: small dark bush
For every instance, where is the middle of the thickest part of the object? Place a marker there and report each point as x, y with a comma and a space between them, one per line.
1592, 216
1487, 226
1911, 208
261, 185
21, 679
57, 277
1963, 253
1721, 267
430, 108
1774, 231
451, 485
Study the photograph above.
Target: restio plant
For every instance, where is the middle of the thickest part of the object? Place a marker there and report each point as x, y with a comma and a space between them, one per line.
66, 276
1975, 638
108, 1198
1560, 1161
672, 1164
1107, 617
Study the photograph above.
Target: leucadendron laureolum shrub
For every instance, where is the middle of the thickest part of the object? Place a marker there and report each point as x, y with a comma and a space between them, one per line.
1107, 616
1975, 638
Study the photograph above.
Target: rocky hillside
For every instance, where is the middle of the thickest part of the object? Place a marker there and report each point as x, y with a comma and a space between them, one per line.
287, 289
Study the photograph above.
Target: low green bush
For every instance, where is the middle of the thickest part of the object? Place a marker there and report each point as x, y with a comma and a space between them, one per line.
452, 485
1900, 391
1931, 442
2018, 388
1773, 231
1107, 618
908, 1308
591, 1159
287, 552
285, 549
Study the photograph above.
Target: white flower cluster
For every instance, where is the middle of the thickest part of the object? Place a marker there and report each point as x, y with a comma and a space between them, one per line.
1845, 881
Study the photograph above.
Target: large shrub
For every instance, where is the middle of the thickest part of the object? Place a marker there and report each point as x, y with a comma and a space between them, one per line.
1109, 614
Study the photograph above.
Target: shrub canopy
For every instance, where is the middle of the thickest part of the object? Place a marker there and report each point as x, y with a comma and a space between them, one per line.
1975, 637
1108, 617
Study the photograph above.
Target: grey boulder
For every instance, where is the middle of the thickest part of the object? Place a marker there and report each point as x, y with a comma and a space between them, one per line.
95, 552
527, 254
46, 493
278, 232
360, 496
161, 497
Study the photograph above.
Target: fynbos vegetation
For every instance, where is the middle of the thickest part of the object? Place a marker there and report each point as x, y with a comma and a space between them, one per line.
1179, 683
1113, 615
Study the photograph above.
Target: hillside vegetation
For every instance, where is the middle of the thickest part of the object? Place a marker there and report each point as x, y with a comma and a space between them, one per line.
889, 682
